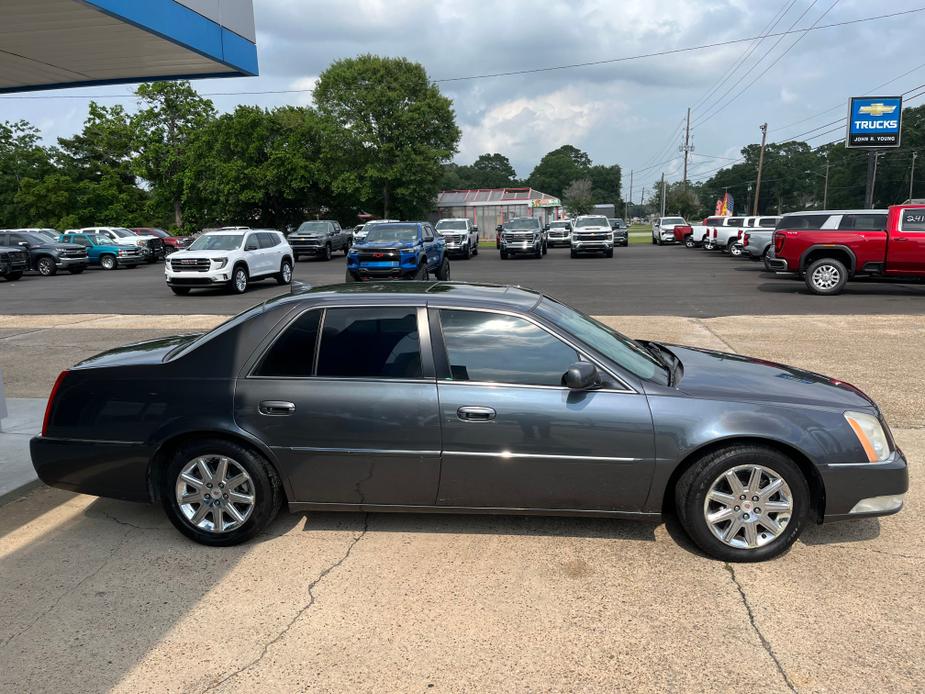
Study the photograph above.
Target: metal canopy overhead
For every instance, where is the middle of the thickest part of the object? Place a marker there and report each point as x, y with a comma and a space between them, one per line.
47, 44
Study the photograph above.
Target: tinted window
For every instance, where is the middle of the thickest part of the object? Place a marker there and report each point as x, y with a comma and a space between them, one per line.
268, 240
736, 222
497, 348
293, 353
802, 221
428, 233
863, 222
767, 222
914, 220
370, 343
714, 221
82, 240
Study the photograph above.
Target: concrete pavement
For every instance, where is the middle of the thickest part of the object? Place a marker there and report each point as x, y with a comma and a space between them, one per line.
103, 595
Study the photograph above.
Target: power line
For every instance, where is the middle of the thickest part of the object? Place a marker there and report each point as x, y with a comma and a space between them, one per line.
513, 73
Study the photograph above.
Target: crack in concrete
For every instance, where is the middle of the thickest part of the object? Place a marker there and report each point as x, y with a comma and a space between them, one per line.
715, 334
54, 605
311, 601
751, 618
114, 519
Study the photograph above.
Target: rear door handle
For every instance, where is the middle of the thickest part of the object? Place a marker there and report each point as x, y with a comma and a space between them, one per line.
475, 414
276, 408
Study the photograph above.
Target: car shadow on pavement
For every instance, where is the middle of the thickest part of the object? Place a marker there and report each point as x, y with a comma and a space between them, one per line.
859, 530
484, 524
856, 288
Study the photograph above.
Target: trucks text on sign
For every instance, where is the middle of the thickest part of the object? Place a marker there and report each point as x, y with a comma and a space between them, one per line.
874, 121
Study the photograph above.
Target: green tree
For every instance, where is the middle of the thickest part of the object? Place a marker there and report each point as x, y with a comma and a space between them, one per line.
579, 197
387, 130
171, 114
23, 161
605, 184
558, 168
493, 171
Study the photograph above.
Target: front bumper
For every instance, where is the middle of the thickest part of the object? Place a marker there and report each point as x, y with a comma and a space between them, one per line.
129, 260
382, 271
591, 246
308, 250
857, 490
70, 263
212, 278
520, 246
667, 236
556, 241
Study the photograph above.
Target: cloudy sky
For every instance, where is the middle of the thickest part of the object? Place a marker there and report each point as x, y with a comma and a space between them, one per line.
626, 112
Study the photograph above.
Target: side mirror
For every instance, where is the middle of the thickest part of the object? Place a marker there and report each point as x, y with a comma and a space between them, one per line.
546, 228
24, 244
582, 375
498, 228
568, 227
474, 228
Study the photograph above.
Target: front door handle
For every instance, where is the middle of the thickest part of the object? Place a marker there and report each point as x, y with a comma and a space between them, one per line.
475, 414
276, 408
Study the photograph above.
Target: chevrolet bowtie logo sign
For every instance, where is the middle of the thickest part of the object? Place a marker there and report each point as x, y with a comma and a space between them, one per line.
876, 109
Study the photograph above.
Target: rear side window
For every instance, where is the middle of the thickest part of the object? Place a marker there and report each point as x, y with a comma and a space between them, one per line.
268, 240
863, 222
293, 353
370, 343
802, 221
736, 221
714, 221
767, 222
913, 220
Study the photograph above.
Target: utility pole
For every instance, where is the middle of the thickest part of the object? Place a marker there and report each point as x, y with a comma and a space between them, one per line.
688, 147
662, 207
915, 155
825, 190
764, 137
872, 157
626, 214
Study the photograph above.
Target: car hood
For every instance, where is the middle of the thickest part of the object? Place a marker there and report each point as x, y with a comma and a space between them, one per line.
147, 352
595, 229
383, 245
304, 235
719, 375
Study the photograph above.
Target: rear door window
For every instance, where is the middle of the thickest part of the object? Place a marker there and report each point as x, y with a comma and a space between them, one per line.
293, 353
863, 222
802, 221
370, 343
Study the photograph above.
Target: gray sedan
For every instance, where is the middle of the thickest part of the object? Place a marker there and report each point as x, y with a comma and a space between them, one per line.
443, 397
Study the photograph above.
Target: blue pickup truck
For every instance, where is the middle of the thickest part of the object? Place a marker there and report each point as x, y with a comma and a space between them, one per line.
399, 250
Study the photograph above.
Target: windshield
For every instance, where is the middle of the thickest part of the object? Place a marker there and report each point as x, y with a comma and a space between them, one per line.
593, 222
611, 344
451, 224
34, 239
520, 224
217, 242
673, 220
558, 225
392, 232
122, 233
312, 227
159, 233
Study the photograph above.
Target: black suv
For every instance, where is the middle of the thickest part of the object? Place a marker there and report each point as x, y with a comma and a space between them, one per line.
46, 256
13, 262
319, 238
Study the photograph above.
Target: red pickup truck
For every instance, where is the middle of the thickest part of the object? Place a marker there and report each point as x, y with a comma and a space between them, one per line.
828, 248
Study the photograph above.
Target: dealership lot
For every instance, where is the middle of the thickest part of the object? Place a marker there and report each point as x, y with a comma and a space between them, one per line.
640, 280
98, 594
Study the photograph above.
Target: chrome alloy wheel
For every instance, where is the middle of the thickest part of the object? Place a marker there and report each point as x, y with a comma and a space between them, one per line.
287, 273
215, 493
240, 280
826, 276
748, 506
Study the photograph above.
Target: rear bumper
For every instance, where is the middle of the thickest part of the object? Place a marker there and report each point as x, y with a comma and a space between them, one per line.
116, 469
778, 264
848, 485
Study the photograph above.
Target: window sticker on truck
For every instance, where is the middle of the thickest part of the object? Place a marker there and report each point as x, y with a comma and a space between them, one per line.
914, 220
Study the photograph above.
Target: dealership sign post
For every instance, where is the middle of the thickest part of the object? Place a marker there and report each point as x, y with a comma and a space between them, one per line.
874, 123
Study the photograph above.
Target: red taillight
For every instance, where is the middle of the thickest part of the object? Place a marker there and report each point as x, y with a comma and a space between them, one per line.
745, 239
739, 235
714, 233
778, 242
51, 400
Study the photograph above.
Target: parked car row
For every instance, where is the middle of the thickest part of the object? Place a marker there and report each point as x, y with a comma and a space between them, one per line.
824, 248
585, 234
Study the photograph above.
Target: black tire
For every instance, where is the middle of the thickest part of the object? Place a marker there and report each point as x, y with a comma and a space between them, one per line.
13, 276
76, 270
443, 272
545, 248
349, 277
572, 253
692, 488
764, 259
328, 253
689, 241
235, 285
108, 262
46, 266
284, 276
151, 259
654, 242
503, 255
180, 291
826, 277
735, 250
608, 253
295, 257
475, 251
468, 254
421, 274
265, 484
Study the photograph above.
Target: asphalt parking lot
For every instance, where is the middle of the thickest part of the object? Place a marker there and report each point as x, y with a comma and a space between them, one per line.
104, 595
641, 280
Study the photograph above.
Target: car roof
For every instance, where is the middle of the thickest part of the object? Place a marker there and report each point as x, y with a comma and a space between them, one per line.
829, 213
445, 293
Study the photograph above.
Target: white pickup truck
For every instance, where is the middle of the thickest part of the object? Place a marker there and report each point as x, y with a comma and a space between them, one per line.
715, 232
663, 229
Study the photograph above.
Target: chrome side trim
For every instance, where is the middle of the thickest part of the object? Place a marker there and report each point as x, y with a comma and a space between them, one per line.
354, 451
508, 454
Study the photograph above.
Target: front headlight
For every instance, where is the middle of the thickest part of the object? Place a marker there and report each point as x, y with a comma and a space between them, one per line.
141, 243
870, 435
220, 262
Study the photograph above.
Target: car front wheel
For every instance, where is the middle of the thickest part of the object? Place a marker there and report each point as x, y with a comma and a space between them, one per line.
238, 284
443, 272
108, 262
826, 276
46, 266
743, 503
285, 273
219, 493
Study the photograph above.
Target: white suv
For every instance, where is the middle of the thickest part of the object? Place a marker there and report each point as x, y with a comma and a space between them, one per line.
230, 259
121, 236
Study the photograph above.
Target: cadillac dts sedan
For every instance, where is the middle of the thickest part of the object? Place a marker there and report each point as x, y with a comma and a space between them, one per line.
460, 398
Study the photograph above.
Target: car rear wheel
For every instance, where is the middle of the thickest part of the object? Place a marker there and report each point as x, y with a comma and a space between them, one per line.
689, 241
238, 283
743, 503
108, 262
735, 250
826, 276
349, 277
219, 493
46, 266
285, 273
